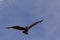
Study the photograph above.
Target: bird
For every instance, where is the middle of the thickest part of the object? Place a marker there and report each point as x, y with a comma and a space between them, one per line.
26, 28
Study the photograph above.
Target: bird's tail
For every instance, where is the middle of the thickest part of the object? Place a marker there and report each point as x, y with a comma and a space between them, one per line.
26, 30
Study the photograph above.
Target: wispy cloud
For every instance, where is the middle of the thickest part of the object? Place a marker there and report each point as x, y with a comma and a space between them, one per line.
24, 10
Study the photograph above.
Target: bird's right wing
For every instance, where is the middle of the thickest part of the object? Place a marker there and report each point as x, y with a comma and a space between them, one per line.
35, 23
16, 27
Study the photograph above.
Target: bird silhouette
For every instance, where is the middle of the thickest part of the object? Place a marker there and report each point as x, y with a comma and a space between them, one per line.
25, 29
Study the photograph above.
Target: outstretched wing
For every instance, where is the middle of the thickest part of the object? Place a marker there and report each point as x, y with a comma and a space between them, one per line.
16, 27
35, 23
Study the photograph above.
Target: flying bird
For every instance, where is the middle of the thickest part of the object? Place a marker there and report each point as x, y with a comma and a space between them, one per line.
25, 29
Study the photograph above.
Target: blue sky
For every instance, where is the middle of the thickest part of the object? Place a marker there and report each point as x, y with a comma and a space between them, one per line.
26, 12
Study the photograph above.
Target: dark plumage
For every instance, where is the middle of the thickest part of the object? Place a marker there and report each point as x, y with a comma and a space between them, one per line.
25, 29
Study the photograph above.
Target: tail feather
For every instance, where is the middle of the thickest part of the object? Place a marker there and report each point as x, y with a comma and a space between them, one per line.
25, 32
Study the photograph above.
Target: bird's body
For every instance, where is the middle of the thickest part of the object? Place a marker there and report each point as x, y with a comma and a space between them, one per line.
25, 29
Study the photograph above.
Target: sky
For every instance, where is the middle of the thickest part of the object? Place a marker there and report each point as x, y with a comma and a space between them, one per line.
24, 13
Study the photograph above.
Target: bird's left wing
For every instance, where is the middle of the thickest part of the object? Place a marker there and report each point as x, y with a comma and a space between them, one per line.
16, 27
35, 23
